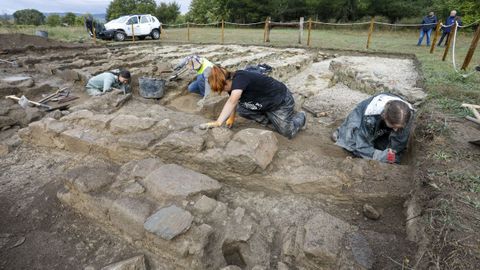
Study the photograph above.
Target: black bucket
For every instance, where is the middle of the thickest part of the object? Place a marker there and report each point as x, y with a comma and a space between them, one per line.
41, 33
151, 87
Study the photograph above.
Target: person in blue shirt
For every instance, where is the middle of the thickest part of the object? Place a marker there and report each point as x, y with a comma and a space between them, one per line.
448, 26
428, 23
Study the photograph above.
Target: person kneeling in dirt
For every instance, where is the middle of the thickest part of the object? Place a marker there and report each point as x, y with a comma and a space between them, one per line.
202, 66
259, 97
378, 128
108, 81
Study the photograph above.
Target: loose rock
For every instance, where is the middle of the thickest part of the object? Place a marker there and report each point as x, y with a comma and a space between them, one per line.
169, 222
370, 212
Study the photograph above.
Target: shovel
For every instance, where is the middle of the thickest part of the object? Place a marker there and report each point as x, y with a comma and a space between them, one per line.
13, 63
23, 101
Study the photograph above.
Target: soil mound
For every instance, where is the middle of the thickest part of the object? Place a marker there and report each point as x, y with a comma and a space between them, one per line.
19, 42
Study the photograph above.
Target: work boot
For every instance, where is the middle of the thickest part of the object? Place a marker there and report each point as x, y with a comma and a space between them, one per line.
334, 136
300, 120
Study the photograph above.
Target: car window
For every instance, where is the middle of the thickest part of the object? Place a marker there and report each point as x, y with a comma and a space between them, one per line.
121, 19
133, 20
144, 19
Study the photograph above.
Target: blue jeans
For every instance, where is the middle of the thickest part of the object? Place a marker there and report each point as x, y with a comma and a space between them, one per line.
198, 86
283, 118
422, 34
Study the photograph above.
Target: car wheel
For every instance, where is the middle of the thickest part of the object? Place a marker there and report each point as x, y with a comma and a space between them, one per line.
120, 36
155, 34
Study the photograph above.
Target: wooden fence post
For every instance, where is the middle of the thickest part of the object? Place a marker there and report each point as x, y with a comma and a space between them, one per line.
435, 37
223, 31
309, 30
133, 35
267, 30
370, 31
188, 31
94, 34
449, 40
471, 50
300, 28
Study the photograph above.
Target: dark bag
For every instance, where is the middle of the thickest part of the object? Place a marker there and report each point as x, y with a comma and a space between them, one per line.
260, 68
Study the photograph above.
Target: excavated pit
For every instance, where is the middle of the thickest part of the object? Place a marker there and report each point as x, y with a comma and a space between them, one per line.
194, 199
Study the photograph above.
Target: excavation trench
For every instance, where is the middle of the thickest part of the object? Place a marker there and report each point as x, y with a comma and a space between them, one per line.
193, 199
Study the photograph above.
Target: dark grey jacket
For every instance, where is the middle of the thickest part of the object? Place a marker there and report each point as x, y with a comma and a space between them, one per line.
361, 128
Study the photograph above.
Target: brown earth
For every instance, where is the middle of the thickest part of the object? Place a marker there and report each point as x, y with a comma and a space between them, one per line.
35, 222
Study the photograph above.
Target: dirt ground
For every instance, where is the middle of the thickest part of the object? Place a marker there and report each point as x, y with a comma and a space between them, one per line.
37, 231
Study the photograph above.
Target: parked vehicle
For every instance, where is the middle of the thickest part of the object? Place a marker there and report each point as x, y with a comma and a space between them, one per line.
140, 26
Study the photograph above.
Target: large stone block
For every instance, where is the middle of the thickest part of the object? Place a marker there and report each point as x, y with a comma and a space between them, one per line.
130, 123
88, 178
173, 182
169, 222
251, 148
212, 105
129, 214
324, 237
184, 142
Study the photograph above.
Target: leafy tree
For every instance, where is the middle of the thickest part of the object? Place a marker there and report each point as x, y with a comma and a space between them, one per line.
69, 18
29, 17
54, 20
167, 13
468, 9
118, 8
80, 20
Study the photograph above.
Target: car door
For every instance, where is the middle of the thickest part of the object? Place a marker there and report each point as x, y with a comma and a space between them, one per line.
136, 26
145, 25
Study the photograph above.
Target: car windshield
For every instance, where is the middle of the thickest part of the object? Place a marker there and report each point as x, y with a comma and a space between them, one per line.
122, 19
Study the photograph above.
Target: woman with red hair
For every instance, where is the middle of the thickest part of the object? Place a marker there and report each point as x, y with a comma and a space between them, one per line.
255, 97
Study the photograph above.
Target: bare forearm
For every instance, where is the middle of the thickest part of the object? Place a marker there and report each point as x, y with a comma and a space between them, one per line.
227, 111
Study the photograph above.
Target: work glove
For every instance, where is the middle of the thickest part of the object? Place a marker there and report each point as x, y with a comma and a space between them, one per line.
230, 121
210, 125
391, 156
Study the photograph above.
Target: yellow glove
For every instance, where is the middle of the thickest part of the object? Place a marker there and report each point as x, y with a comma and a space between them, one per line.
210, 125
230, 120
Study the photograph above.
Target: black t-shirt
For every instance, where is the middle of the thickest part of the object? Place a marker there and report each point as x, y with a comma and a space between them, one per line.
260, 92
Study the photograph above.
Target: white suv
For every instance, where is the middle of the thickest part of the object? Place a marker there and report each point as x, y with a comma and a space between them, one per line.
143, 25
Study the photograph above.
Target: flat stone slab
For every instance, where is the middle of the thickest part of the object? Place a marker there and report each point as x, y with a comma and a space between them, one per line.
25, 81
175, 182
135, 263
169, 222
90, 179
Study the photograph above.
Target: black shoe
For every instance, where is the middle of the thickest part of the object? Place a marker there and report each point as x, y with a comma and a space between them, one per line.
477, 68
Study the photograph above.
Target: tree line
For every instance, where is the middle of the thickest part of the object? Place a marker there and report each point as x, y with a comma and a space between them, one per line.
247, 11
35, 17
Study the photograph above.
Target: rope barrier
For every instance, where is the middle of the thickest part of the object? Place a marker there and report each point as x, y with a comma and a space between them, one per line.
243, 24
404, 24
453, 57
341, 24
468, 25
446, 26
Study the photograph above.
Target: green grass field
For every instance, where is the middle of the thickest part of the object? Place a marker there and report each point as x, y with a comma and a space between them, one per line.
441, 81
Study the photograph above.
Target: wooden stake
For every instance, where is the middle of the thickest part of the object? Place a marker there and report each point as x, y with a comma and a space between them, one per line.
223, 31
188, 31
309, 30
449, 40
162, 32
435, 37
300, 28
471, 50
94, 34
267, 30
133, 35
370, 31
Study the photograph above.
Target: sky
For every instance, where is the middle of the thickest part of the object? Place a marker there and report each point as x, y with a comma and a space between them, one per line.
76, 6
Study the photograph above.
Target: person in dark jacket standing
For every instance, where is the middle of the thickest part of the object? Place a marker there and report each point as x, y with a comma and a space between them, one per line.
428, 23
378, 128
448, 26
